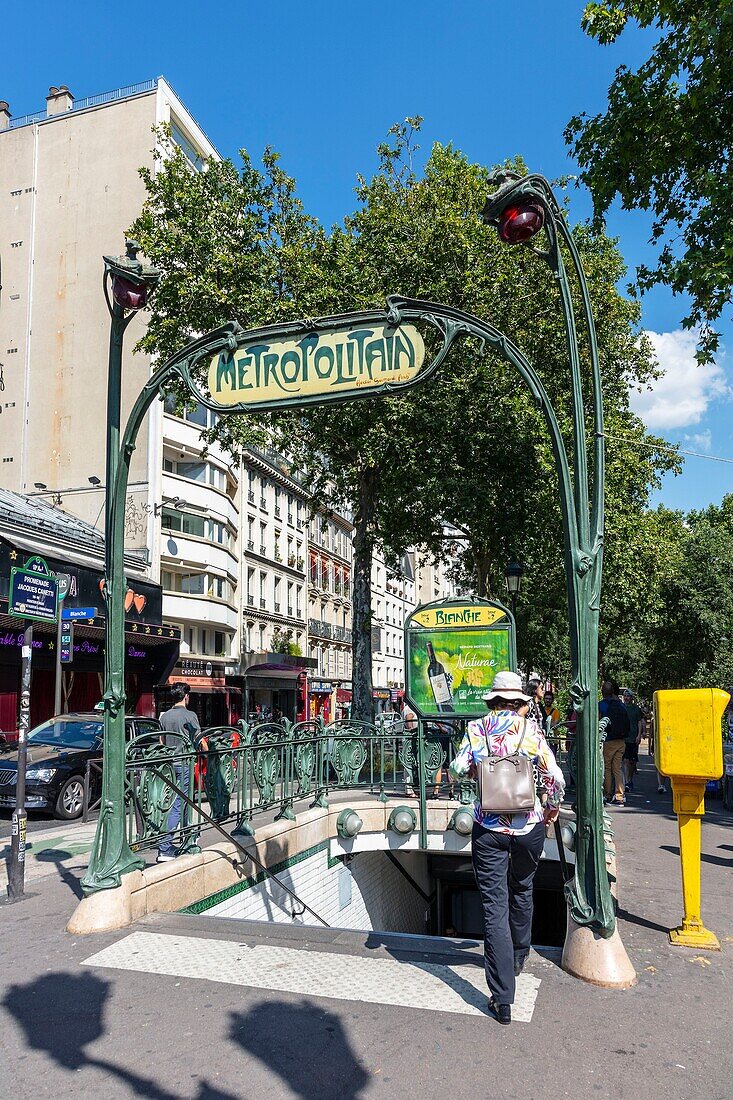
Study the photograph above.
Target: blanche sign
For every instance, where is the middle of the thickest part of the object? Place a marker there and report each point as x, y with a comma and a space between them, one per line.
326, 365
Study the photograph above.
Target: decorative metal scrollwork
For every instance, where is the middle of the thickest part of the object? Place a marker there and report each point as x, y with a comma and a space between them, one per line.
348, 758
220, 772
266, 771
433, 761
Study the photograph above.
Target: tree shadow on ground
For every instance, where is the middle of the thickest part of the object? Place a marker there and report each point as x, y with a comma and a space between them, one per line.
67, 876
62, 1014
305, 1045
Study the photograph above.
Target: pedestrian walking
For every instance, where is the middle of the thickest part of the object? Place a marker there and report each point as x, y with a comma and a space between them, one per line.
506, 848
633, 740
178, 723
536, 699
614, 745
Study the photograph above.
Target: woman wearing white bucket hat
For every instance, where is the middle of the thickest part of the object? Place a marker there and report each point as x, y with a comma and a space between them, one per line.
506, 848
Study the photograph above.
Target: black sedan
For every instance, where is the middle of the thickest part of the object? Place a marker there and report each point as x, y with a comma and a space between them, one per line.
58, 751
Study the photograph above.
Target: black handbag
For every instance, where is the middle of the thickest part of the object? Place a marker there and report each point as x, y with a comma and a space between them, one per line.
506, 784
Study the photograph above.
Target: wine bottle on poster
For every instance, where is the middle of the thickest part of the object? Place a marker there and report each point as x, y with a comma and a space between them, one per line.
440, 682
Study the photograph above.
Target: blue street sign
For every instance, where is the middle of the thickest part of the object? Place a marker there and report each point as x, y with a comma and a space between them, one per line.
33, 594
66, 643
78, 613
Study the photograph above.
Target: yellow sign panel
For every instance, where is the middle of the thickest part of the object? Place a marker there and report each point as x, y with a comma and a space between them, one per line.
326, 365
688, 739
458, 615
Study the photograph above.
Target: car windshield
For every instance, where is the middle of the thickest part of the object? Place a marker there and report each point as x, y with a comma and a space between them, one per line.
67, 733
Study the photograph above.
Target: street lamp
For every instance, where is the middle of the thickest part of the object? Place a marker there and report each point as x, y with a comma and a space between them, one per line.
513, 579
127, 285
520, 208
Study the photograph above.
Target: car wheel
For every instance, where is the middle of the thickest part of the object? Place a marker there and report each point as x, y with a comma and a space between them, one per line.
70, 801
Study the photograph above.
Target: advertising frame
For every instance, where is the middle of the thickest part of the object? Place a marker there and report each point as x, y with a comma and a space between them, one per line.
459, 624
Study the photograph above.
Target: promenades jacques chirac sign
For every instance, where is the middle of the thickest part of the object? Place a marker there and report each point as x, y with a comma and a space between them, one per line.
342, 358
453, 650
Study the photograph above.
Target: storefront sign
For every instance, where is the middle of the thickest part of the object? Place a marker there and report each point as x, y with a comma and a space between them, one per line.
453, 651
320, 687
33, 592
340, 363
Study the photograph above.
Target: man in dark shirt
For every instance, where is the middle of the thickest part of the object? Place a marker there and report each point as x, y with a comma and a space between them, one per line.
633, 739
180, 728
617, 731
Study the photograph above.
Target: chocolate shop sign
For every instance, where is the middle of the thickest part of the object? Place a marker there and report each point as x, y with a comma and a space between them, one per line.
326, 365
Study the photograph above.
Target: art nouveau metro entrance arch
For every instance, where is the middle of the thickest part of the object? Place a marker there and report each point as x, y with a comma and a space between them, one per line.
368, 354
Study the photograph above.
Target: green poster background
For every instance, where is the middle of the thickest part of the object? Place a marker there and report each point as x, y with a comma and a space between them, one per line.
471, 657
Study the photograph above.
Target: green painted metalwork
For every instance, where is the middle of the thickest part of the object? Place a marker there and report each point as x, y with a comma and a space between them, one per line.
588, 893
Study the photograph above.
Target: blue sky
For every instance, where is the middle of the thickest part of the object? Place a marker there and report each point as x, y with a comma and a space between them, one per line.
323, 81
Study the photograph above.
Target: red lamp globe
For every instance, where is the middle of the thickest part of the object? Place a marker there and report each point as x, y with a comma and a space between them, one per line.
520, 221
127, 294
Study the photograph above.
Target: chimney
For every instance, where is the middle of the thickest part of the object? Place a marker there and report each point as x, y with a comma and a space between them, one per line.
58, 100
4, 115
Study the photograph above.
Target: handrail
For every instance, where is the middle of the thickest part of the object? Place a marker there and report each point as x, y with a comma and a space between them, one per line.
248, 855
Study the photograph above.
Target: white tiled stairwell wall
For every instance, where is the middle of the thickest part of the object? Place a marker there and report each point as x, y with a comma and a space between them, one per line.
367, 893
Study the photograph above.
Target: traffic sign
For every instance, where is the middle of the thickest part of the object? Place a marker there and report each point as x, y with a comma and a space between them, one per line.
33, 594
80, 614
66, 643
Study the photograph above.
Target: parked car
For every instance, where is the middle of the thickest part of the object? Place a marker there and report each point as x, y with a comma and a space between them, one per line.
58, 751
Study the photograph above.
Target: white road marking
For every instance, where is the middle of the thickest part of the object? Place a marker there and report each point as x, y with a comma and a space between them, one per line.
433, 986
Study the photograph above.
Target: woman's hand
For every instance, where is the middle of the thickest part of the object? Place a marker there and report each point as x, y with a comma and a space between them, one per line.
551, 813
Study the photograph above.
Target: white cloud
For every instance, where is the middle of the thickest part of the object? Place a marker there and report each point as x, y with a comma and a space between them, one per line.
684, 392
701, 441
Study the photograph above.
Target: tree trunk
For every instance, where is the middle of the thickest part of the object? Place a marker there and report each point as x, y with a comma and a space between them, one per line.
481, 566
361, 677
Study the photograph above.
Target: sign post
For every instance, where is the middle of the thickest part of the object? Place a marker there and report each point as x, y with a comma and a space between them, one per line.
64, 581
33, 595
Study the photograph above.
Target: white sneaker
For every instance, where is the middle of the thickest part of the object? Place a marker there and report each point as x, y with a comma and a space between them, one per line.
661, 789
164, 857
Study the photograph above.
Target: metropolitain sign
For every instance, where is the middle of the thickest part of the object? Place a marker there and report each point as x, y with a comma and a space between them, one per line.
334, 364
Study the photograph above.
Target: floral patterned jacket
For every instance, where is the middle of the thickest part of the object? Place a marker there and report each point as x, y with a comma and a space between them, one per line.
499, 734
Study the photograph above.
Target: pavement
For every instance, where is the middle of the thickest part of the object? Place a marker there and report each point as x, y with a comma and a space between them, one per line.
192, 1007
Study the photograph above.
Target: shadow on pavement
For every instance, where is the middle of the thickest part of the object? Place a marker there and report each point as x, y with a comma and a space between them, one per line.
720, 861
62, 1014
68, 877
305, 1046
632, 918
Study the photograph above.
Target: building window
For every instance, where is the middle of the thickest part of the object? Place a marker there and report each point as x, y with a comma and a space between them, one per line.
194, 471
197, 415
185, 522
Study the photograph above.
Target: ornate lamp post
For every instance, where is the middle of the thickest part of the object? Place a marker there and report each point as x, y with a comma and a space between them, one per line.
520, 208
513, 579
131, 283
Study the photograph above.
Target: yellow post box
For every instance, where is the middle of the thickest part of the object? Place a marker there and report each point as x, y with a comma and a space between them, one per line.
688, 747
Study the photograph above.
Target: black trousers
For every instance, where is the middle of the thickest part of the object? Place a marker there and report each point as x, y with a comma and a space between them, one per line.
504, 867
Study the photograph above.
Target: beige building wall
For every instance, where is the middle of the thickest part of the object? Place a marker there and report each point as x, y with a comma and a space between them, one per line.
77, 174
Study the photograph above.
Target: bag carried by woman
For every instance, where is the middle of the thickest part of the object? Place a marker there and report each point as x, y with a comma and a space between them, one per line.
506, 784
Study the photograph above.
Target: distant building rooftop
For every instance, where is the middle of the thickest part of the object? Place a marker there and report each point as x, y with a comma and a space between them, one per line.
33, 519
84, 104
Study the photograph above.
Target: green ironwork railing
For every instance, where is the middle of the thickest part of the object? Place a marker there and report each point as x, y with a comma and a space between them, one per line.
240, 773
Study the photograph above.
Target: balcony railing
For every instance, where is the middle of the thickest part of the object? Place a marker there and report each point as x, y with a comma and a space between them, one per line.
319, 628
263, 502
263, 549
342, 634
277, 512
250, 600
263, 602
277, 608
251, 497
250, 544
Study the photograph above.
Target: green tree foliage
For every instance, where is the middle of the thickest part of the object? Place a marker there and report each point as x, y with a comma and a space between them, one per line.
693, 647
664, 144
469, 448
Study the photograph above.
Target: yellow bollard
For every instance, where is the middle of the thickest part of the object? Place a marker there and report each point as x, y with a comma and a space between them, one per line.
689, 805
689, 749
